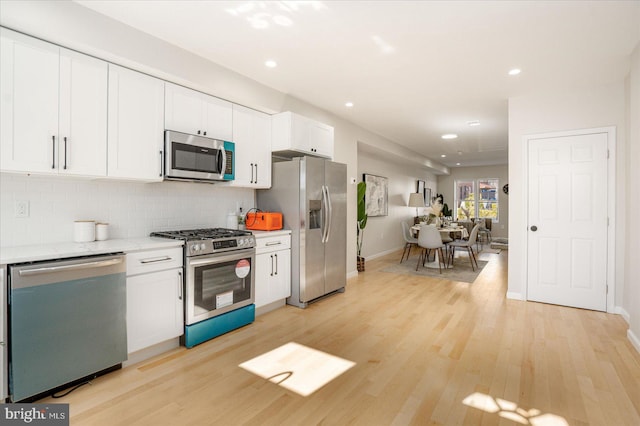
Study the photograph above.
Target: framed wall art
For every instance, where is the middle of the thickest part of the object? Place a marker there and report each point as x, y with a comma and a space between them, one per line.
427, 197
376, 197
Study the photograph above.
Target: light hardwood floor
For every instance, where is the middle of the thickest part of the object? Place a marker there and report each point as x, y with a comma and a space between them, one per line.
426, 351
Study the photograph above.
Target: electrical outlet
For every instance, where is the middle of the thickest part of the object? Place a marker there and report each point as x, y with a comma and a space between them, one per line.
22, 208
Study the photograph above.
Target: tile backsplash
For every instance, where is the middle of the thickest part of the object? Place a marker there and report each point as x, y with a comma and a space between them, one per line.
132, 209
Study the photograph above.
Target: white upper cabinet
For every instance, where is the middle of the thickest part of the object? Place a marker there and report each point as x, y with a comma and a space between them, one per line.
195, 113
252, 138
83, 115
295, 135
54, 108
136, 125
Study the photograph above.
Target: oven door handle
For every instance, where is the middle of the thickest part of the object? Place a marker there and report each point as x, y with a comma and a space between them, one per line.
212, 260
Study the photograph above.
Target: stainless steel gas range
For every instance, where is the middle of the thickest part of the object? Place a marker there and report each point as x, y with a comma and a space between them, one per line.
219, 281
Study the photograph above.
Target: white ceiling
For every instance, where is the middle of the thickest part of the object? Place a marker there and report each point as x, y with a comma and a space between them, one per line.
413, 69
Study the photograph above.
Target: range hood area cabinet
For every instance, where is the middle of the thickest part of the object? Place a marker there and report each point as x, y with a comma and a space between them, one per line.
54, 109
252, 136
294, 136
196, 113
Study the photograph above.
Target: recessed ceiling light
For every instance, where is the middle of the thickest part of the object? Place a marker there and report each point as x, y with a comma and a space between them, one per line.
457, 164
515, 71
473, 123
349, 104
449, 136
271, 63
443, 155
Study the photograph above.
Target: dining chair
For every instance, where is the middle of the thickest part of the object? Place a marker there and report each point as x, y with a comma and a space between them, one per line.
429, 239
409, 240
468, 244
485, 230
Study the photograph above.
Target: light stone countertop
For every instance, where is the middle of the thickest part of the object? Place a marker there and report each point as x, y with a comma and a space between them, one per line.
264, 234
32, 253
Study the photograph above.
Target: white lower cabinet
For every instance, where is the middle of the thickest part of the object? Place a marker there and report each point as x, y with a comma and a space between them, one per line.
154, 297
4, 361
273, 268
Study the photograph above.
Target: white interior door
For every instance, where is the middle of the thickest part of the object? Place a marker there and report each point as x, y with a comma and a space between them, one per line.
567, 220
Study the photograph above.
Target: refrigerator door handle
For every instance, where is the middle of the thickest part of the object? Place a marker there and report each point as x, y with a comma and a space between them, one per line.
325, 203
329, 214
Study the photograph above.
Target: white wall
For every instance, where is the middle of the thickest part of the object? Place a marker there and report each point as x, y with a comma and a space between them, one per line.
131, 209
75, 27
383, 234
543, 113
631, 302
446, 184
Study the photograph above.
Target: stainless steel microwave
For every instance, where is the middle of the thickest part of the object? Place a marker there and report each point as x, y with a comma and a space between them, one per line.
197, 158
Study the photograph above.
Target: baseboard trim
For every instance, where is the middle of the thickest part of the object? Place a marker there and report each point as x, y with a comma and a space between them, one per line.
634, 340
515, 296
384, 253
620, 311
151, 351
352, 274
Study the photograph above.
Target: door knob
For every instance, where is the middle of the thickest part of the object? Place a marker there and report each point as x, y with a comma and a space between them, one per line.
534, 228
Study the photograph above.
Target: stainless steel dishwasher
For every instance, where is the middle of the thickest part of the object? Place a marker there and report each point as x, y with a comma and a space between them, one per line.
67, 321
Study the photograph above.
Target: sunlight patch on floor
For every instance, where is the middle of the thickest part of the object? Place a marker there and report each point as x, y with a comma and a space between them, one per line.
298, 368
510, 410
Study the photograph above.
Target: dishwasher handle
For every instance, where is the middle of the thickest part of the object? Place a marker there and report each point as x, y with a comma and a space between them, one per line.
60, 271
88, 265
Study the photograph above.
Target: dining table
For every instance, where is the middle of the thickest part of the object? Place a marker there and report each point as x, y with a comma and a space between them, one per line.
444, 230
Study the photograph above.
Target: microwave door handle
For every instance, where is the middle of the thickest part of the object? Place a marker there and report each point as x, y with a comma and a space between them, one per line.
222, 160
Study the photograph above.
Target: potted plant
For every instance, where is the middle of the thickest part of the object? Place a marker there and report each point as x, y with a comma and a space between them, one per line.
361, 224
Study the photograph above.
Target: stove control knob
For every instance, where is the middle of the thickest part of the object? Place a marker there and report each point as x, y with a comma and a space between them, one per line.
194, 248
202, 246
240, 241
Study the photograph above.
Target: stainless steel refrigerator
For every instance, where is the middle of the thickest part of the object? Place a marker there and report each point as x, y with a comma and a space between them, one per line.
311, 193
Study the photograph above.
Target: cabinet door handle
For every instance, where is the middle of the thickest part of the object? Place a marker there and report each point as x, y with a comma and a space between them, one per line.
198, 131
274, 243
205, 133
155, 259
276, 256
65, 153
256, 173
251, 173
180, 283
271, 265
53, 151
161, 163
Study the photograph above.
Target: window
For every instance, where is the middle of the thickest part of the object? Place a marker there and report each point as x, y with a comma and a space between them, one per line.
476, 199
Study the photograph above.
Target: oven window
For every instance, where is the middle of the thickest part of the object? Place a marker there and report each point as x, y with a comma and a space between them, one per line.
222, 284
194, 158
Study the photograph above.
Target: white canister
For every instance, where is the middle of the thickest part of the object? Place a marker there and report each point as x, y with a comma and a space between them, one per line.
84, 231
102, 231
232, 221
